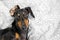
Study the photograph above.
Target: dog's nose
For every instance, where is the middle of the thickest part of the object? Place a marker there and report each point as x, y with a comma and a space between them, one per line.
24, 28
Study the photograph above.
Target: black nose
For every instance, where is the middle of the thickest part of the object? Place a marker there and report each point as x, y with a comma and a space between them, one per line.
24, 28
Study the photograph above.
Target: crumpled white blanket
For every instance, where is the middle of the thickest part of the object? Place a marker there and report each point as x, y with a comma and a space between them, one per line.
45, 26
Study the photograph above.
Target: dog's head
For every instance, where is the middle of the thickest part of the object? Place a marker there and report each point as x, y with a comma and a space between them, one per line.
21, 16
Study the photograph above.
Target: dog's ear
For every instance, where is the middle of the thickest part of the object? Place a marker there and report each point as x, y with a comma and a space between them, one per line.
14, 9
30, 11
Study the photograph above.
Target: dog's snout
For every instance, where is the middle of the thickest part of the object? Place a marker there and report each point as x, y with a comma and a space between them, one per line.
23, 27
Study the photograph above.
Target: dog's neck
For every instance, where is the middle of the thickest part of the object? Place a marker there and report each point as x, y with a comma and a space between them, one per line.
16, 29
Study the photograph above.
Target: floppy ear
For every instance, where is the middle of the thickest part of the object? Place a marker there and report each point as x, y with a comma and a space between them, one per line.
14, 9
30, 11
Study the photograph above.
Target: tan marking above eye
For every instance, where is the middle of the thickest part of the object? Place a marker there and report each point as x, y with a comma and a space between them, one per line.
19, 24
26, 21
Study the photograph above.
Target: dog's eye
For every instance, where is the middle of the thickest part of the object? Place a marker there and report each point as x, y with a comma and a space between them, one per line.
23, 12
18, 14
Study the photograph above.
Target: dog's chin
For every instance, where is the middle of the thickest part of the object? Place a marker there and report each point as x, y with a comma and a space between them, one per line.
23, 36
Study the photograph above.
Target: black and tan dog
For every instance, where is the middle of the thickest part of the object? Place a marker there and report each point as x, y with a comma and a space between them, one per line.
20, 25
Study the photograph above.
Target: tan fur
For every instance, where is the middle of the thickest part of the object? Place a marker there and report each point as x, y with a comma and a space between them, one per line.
26, 21
17, 36
12, 10
19, 24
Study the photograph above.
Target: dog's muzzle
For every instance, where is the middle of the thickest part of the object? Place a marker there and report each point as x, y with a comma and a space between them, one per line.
24, 28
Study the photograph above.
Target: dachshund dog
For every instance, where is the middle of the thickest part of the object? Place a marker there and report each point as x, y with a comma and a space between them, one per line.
20, 25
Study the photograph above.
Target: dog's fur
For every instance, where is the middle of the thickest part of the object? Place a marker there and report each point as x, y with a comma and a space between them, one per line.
20, 25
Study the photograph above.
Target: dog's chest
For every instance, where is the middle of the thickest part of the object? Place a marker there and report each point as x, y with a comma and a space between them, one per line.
21, 36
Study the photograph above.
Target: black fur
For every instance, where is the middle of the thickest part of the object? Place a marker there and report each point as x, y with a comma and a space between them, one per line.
9, 33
